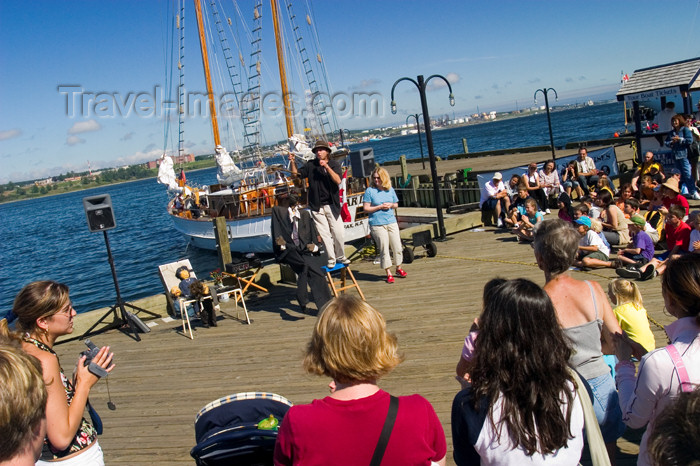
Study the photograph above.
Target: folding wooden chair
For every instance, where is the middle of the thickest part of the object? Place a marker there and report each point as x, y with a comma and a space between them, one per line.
170, 281
341, 286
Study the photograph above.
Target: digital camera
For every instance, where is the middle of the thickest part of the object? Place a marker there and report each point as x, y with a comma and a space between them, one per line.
90, 354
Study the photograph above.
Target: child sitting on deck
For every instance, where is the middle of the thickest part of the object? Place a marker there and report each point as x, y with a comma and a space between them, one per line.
630, 312
517, 208
694, 222
592, 252
641, 248
603, 184
631, 208
647, 188
677, 243
593, 210
528, 221
565, 211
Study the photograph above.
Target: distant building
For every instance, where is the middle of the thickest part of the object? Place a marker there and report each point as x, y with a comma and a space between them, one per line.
45, 182
178, 159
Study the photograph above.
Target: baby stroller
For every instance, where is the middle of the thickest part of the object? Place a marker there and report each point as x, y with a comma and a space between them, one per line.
239, 429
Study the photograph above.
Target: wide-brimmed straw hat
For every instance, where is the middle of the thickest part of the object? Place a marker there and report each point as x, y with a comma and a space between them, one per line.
672, 184
321, 144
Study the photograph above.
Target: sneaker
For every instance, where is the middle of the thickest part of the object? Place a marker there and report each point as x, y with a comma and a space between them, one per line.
628, 272
401, 273
547, 211
616, 264
695, 196
390, 279
499, 224
343, 260
331, 264
648, 273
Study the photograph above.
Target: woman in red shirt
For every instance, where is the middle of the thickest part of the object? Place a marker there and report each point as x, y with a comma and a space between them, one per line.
351, 345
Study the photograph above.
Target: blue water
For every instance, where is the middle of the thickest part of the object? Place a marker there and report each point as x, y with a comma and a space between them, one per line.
579, 124
48, 238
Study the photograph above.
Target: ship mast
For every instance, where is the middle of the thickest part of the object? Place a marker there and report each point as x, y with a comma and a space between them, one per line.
207, 73
288, 117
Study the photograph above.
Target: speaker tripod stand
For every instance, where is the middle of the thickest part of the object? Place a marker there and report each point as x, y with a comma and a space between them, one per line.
122, 318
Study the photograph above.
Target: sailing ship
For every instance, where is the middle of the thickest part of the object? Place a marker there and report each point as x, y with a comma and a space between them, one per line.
250, 179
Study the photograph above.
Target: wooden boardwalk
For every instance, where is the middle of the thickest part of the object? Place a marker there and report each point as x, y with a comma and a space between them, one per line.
160, 383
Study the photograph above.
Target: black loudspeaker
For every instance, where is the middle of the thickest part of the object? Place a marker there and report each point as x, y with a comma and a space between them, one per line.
362, 162
138, 323
99, 213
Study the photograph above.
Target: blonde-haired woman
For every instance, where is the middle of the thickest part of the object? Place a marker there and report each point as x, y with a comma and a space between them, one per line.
350, 344
44, 312
22, 403
380, 200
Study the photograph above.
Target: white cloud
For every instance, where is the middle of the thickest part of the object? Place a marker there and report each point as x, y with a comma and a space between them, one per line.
84, 127
366, 84
73, 140
437, 83
10, 133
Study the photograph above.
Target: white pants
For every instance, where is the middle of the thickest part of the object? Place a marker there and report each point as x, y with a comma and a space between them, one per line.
90, 457
332, 232
387, 236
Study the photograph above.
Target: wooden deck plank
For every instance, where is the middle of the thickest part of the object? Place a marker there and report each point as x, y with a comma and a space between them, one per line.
161, 382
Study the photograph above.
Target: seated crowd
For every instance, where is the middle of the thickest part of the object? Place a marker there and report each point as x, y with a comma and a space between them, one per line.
647, 214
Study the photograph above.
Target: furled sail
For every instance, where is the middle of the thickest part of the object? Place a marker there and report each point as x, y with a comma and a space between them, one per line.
166, 173
227, 172
299, 147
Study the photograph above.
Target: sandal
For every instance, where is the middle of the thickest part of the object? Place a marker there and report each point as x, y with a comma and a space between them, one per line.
401, 273
390, 279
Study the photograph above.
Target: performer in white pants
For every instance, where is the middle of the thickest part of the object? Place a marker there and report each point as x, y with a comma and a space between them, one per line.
324, 175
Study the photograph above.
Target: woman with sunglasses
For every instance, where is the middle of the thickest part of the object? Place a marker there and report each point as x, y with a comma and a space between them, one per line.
44, 312
379, 202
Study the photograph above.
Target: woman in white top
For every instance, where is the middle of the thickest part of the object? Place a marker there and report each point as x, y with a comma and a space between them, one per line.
521, 407
664, 372
549, 179
531, 179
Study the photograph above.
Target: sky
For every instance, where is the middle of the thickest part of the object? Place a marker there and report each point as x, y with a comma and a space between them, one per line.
496, 54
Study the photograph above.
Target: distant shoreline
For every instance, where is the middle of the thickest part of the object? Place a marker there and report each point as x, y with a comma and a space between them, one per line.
40, 196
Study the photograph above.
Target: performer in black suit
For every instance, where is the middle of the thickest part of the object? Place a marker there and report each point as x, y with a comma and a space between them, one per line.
297, 243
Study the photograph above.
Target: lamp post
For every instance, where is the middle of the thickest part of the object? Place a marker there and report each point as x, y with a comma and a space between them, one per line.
342, 141
545, 91
420, 141
421, 85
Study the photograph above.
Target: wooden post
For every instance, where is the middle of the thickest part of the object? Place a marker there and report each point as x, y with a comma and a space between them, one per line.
413, 186
404, 167
464, 145
222, 245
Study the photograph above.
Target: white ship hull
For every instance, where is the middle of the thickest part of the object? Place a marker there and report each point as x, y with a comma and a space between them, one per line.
254, 234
